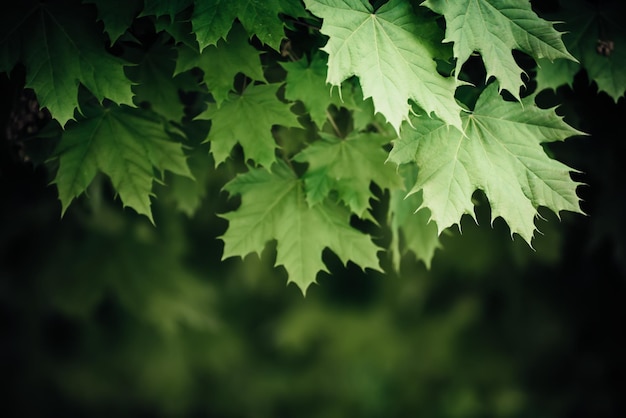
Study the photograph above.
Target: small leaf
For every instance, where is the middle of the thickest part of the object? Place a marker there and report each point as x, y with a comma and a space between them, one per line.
247, 119
348, 166
223, 62
307, 82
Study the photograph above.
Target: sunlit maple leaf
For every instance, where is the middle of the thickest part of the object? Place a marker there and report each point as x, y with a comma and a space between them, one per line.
348, 166
247, 119
501, 154
126, 144
273, 207
392, 52
494, 28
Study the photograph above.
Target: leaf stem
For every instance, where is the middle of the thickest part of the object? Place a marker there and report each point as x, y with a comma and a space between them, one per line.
334, 124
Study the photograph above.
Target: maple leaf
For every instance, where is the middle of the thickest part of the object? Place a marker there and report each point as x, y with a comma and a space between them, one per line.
126, 144
494, 28
347, 166
307, 82
117, 15
212, 20
596, 37
411, 230
61, 49
500, 154
392, 52
247, 119
223, 62
273, 206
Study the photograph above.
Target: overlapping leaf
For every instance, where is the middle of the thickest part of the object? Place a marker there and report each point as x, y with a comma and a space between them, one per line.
501, 154
411, 230
60, 48
594, 35
212, 19
222, 62
273, 207
307, 82
247, 119
494, 28
392, 52
348, 166
127, 144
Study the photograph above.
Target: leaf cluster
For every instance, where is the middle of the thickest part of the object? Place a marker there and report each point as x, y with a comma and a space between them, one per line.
310, 112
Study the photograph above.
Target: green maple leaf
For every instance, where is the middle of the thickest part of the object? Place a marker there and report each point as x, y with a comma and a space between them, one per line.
273, 206
494, 28
392, 52
307, 82
61, 48
411, 230
116, 15
586, 26
247, 119
212, 20
127, 144
501, 154
223, 62
348, 166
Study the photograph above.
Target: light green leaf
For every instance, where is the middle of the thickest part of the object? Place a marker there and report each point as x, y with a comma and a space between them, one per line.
392, 52
124, 143
494, 28
273, 206
501, 154
247, 119
348, 166
223, 62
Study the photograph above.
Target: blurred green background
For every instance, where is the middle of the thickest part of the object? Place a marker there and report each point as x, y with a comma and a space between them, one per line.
103, 315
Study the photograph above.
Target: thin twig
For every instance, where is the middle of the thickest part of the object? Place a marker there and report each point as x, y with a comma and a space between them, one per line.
334, 124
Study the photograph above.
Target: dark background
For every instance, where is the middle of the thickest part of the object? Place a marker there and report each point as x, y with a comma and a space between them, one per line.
103, 315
